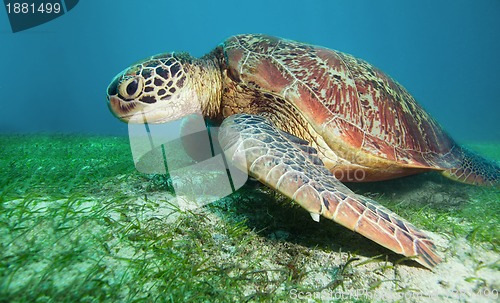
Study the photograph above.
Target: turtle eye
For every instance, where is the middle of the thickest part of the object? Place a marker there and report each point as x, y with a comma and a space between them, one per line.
131, 88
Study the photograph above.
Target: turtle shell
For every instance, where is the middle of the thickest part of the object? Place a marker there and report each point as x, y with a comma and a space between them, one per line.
346, 100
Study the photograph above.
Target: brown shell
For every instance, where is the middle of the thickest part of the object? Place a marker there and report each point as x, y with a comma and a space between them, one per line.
343, 98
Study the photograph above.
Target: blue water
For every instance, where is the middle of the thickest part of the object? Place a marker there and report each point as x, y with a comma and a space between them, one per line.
446, 53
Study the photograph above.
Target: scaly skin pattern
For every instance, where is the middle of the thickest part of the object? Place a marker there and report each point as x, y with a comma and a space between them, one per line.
360, 117
254, 144
311, 116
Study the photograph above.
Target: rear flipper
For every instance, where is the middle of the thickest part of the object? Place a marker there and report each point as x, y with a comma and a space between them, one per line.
253, 144
474, 169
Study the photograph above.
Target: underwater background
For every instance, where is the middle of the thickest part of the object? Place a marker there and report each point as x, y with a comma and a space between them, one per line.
445, 53
78, 222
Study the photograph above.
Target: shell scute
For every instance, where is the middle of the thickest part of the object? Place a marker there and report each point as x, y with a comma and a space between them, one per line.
345, 99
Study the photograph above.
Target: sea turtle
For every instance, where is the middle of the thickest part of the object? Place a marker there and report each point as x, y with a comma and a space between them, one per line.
301, 119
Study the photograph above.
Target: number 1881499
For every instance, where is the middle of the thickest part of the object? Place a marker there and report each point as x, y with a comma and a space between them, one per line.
32, 8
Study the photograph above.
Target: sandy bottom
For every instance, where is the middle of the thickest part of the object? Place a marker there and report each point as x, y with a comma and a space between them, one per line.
125, 239
467, 274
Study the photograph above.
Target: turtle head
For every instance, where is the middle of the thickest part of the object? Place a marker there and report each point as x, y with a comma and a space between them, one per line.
155, 90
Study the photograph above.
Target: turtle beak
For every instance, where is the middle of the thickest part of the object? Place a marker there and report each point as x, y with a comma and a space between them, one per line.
111, 93
114, 106
120, 108
123, 110
113, 86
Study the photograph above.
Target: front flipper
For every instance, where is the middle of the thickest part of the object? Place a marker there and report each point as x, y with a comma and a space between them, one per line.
254, 144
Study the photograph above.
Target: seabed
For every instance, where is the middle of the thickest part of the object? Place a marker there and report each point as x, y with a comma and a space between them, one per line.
79, 223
